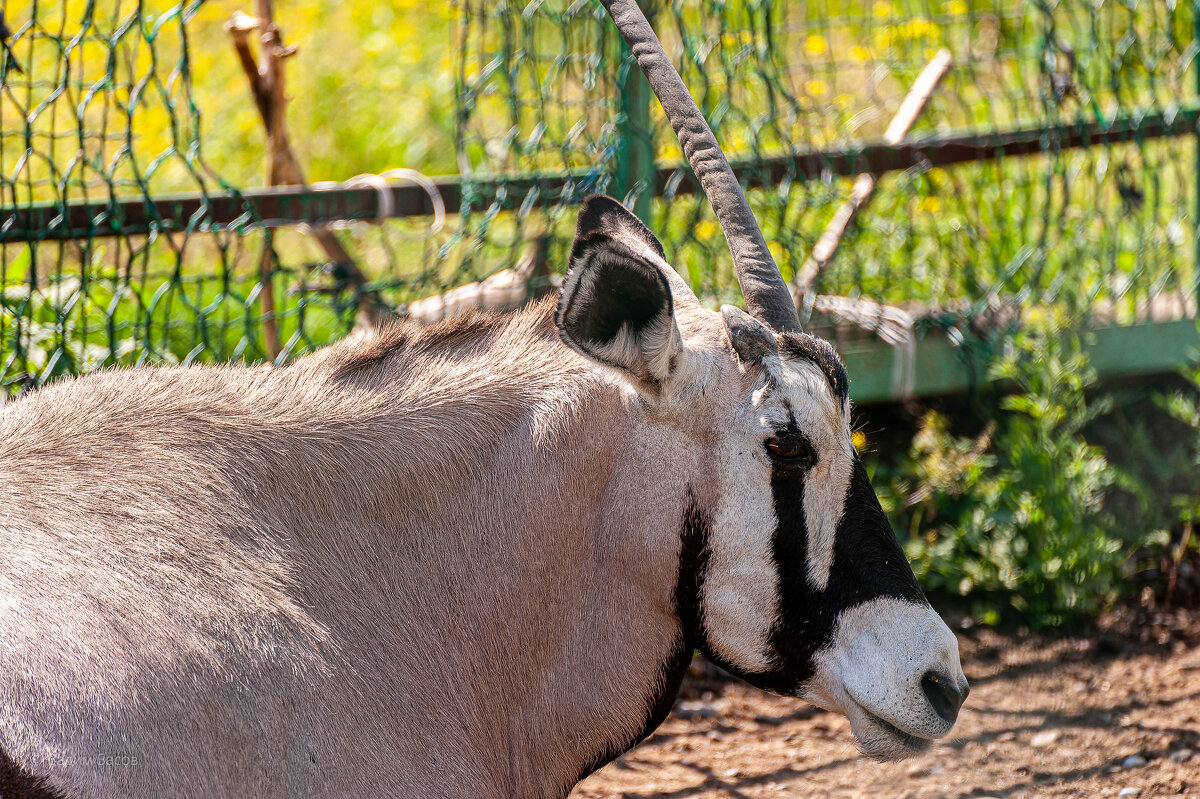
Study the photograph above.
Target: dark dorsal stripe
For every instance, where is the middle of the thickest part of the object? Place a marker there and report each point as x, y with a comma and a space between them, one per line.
694, 534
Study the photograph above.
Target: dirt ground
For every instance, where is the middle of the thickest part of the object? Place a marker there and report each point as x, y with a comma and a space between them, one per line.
1106, 715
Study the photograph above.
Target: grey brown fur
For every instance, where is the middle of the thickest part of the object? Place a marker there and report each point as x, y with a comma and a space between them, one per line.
243, 578
461, 561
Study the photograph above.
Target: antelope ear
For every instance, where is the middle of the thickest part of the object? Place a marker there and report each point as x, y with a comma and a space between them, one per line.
616, 303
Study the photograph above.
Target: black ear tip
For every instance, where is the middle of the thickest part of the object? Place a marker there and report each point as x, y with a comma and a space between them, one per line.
603, 214
600, 200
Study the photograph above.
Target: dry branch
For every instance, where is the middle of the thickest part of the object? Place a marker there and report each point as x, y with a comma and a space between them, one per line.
826, 246
267, 81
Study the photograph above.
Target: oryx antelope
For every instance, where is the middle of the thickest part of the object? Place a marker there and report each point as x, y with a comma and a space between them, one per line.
460, 561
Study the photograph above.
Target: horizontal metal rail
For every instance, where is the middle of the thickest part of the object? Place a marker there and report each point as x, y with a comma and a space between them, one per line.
245, 210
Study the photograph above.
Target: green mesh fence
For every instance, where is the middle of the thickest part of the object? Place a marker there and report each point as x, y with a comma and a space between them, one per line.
1108, 229
1092, 226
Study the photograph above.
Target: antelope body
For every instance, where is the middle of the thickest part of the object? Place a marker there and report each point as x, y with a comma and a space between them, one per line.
460, 561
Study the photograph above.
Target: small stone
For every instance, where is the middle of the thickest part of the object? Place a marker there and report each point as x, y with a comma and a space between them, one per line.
1129, 792
1007, 736
1180, 755
1133, 761
917, 770
1044, 738
694, 710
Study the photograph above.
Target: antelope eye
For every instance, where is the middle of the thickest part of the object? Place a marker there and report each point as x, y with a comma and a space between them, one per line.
791, 450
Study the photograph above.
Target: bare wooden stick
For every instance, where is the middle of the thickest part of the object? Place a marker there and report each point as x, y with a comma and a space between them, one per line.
267, 81
1177, 558
860, 194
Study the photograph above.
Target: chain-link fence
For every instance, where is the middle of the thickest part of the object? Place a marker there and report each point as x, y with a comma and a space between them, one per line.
1052, 174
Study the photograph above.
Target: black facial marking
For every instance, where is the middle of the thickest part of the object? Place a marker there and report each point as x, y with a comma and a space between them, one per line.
694, 534
791, 450
803, 345
868, 563
693, 566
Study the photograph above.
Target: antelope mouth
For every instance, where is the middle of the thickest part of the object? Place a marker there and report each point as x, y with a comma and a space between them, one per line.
875, 736
882, 740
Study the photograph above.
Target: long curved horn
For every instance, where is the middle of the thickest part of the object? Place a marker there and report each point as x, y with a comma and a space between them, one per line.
767, 295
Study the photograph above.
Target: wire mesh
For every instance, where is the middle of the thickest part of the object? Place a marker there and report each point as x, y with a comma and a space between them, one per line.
1108, 229
106, 106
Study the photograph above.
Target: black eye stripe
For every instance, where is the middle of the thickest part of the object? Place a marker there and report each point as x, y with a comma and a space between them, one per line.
868, 563
788, 445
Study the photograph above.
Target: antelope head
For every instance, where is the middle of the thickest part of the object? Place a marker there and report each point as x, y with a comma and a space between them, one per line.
795, 580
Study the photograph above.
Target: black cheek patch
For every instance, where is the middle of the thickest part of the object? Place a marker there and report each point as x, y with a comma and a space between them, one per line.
868, 563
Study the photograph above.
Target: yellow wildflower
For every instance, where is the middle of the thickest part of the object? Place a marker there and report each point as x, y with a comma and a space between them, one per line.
816, 44
816, 87
860, 53
918, 27
859, 439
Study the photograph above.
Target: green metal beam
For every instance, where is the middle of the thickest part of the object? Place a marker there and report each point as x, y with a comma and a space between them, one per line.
635, 176
942, 368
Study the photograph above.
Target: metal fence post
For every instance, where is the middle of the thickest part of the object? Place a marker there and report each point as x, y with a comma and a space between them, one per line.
635, 154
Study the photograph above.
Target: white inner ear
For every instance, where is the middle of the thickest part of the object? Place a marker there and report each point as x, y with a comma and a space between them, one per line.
655, 347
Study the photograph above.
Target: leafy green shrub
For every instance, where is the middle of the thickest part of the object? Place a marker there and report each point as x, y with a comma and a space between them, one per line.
1016, 518
1182, 507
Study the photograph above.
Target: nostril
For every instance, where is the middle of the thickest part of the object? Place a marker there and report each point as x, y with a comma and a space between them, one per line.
944, 696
